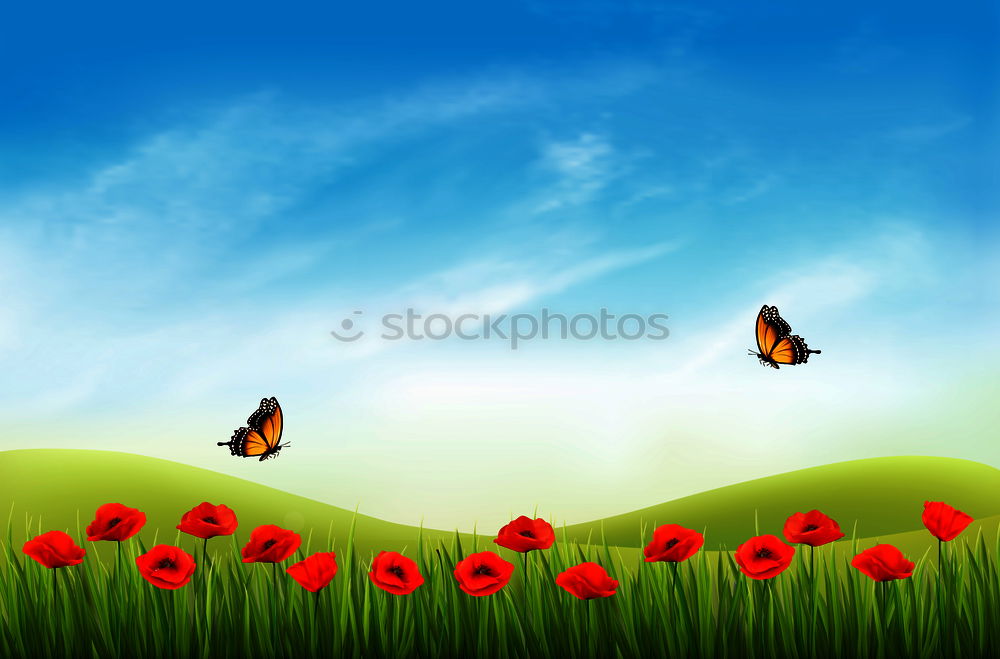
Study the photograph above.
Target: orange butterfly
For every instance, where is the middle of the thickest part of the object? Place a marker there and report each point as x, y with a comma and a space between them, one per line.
262, 435
775, 342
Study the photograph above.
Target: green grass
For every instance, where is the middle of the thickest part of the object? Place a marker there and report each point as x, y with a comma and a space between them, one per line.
701, 608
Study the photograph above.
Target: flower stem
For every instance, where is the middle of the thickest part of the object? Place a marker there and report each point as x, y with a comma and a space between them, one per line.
940, 565
813, 604
525, 585
118, 575
942, 610
55, 593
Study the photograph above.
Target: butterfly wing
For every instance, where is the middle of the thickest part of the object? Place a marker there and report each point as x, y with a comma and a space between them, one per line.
246, 443
250, 443
771, 328
267, 421
791, 350
272, 425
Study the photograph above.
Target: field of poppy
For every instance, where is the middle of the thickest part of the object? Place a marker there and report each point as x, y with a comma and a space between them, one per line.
271, 593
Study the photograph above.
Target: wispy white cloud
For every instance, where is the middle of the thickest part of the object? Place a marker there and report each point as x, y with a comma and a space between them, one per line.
583, 166
174, 197
226, 171
133, 261
498, 284
581, 159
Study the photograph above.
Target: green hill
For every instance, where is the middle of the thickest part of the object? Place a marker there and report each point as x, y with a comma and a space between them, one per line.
882, 496
60, 489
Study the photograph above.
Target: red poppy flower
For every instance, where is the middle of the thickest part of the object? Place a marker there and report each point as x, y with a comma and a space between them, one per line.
587, 581
764, 556
54, 549
812, 528
316, 571
673, 543
395, 573
883, 563
943, 521
207, 521
113, 521
524, 534
483, 574
166, 567
270, 544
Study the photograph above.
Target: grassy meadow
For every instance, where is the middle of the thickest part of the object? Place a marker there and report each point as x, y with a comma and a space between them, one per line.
704, 607
701, 608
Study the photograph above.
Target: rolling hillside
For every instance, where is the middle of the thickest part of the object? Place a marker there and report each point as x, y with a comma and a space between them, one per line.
882, 496
63, 488
60, 489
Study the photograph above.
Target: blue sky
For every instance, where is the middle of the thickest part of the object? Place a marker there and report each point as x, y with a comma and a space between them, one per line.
190, 200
